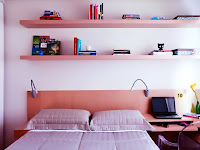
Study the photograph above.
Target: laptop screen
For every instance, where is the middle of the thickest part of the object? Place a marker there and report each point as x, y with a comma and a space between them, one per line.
163, 105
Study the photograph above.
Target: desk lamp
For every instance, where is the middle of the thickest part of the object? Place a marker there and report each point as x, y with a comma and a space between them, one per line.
146, 91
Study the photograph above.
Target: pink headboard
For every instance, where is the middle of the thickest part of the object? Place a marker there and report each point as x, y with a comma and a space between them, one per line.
94, 100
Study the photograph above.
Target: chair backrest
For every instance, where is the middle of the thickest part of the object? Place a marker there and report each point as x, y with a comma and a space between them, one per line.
187, 143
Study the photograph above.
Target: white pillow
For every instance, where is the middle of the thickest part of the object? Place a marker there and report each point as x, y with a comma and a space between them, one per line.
70, 119
115, 120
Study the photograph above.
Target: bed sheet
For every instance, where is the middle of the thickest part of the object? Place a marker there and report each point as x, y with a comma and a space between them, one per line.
80, 140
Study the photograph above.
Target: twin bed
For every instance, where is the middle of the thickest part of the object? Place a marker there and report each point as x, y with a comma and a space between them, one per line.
70, 129
88, 120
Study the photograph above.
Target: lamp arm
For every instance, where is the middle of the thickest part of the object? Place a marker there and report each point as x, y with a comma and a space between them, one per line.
140, 80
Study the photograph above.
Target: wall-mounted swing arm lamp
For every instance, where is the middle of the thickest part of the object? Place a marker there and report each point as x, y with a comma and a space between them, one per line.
146, 91
33, 89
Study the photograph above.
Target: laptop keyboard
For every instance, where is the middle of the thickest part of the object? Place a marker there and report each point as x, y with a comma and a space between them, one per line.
168, 116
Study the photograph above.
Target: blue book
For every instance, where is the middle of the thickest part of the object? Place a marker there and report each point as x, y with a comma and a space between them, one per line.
78, 46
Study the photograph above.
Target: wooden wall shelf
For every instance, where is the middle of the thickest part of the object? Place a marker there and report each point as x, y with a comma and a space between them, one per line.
110, 23
107, 57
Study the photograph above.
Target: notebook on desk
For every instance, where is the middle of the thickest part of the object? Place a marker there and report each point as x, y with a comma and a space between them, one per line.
164, 108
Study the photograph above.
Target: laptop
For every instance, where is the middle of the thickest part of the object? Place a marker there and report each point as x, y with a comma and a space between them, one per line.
164, 108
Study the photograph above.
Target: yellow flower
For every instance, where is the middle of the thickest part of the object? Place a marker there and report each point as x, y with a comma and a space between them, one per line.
192, 86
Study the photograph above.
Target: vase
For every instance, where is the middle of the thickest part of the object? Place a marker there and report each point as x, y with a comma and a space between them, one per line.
197, 108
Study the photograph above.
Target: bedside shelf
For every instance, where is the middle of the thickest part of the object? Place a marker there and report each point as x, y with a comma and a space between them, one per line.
110, 23
107, 57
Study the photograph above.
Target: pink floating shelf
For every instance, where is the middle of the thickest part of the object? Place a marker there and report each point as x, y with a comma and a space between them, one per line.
106, 57
110, 23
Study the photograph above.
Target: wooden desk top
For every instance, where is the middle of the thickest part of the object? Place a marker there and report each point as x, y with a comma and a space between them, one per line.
171, 126
151, 119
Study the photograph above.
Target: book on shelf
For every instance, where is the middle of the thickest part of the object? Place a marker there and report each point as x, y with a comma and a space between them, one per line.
131, 16
53, 47
50, 15
75, 45
96, 12
161, 53
187, 17
121, 52
183, 52
40, 45
87, 53
78, 46
192, 115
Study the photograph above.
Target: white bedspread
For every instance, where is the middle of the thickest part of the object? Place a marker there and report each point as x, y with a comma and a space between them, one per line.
65, 140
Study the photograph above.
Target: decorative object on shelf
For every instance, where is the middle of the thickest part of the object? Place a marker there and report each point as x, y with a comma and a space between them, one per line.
187, 17
53, 47
96, 12
77, 46
197, 105
50, 15
161, 51
121, 52
34, 90
161, 46
131, 16
88, 48
146, 91
40, 43
159, 18
40, 52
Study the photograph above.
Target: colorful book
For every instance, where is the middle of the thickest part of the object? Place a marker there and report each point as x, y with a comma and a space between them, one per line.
40, 44
53, 47
75, 46
192, 115
78, 46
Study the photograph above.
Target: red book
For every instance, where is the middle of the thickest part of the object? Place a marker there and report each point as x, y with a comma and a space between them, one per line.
90, 13
96, 12
75, 45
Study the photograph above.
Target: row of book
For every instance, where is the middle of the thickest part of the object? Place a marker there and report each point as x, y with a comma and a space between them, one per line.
121, 52
173, 52
50, 15
77, 46
96, 12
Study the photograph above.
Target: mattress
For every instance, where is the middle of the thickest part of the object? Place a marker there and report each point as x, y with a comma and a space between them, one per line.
80, 140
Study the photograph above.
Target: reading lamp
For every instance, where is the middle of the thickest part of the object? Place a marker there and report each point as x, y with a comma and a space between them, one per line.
146, 91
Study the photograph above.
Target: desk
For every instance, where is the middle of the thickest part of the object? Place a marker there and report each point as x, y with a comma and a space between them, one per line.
172, 131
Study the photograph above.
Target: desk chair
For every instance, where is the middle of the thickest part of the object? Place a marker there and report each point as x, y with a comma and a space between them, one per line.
184, 142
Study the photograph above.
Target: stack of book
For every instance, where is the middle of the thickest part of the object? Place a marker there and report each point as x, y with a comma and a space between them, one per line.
161, 52
87, 53
50, 15
187, 17
121, 52
183, 51
96, 12
192, 115
131, 16
77, 46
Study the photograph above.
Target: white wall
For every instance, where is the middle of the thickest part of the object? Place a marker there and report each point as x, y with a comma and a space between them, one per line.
94, 75
1, 74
